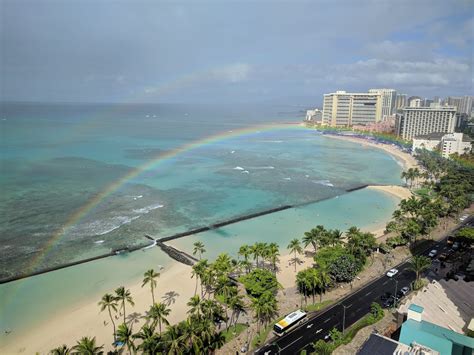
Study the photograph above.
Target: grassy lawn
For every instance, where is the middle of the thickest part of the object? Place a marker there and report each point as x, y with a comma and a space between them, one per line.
233, 332
317, 306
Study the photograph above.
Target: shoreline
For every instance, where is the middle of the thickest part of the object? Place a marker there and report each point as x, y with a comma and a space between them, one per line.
405, 159
175, 283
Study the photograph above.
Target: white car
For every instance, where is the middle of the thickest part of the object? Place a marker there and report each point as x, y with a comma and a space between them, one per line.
392, 272
433, 253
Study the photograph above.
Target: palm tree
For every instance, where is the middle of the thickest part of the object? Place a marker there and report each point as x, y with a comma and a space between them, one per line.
150, 277
110, 302
313, 237
124, 296
60, 350
150, 341
198, 272
217, 341
257, 250
124, 335
265, 308
274, 253
295, 247
199, 248
174, 340
236, 304
87, 346
418, 264
195, 306
245, 251
158, 313
335, 237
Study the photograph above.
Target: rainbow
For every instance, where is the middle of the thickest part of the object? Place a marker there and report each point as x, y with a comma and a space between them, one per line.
151, 164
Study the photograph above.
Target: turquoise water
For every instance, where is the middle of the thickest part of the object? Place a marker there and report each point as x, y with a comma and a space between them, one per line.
57, 158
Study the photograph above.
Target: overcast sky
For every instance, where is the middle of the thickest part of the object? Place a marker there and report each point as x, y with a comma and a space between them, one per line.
232, 51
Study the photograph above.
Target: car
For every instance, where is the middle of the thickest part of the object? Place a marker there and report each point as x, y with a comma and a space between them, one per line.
392, 272
390, 302
385, 296
450, 240
433, 253
443, 257
405, 290
455, 246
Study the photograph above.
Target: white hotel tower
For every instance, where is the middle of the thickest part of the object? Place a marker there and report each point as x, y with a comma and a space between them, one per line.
416, 121
346, 109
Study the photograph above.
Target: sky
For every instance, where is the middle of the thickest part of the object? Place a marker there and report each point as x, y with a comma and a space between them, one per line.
232, 51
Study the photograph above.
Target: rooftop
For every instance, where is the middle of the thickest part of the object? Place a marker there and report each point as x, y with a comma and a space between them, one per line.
435, 337
446, 303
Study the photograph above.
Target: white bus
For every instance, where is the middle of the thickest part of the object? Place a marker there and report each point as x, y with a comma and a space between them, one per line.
286, 323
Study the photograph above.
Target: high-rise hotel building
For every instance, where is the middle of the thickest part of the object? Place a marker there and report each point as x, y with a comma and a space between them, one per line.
389, 98
347, 109
416, 121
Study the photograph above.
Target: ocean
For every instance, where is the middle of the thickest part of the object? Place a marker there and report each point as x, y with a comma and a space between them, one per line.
80, 180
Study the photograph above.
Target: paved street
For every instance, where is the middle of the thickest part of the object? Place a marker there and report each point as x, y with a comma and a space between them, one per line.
356, 305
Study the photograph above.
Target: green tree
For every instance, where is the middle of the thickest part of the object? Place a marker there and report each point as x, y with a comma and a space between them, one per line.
124, 296
466, 233
295, 247
265, 308
323, 348
418, 264
259, 281
150, 277
109, 302
274, 253
246, 251
150, 341
344, 269
199, 249
158, 313
87, 346
124, 335
61, 350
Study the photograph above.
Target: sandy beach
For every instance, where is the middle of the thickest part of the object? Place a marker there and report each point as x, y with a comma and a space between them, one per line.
407, 160
175, 286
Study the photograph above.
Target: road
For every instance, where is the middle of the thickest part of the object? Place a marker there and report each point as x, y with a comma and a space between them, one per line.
355, 306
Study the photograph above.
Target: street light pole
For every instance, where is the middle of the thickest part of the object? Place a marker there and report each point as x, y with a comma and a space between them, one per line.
395, 296
343, 319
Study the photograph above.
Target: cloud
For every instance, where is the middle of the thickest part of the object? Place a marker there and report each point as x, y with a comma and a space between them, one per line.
233, 73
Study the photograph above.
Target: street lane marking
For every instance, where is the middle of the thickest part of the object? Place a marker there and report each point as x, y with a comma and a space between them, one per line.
327, 320
319, 330
294, 341
385, 282
368, 293
349, 306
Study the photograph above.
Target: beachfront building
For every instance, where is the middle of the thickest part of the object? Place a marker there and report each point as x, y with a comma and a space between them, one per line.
416, 121
346, 109
389, 98
314, 116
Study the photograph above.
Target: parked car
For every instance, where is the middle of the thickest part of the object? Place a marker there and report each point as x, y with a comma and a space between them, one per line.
450, 240
433, 253
392, 272
455, 246
402, 292
443, 257
390, 302
385, 296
